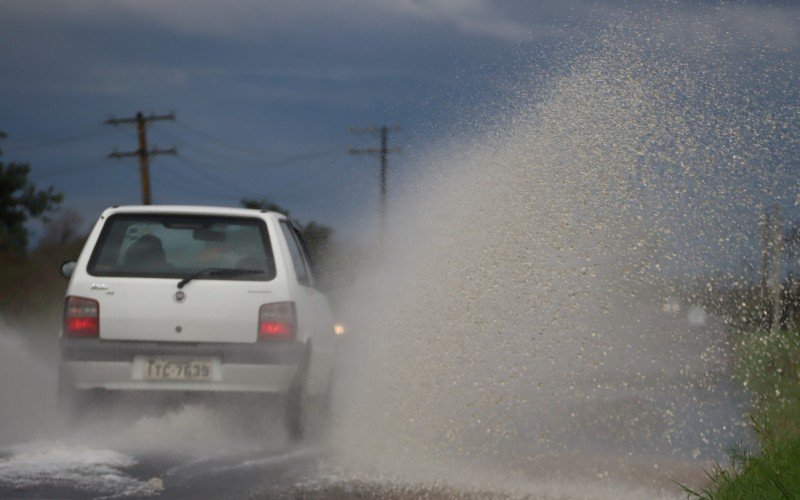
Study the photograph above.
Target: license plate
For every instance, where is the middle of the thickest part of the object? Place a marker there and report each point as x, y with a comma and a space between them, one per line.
177, 369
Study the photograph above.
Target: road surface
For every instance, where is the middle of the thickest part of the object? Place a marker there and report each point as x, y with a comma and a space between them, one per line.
653, 429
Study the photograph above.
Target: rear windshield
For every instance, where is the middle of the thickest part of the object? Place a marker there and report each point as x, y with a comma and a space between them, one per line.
175, 246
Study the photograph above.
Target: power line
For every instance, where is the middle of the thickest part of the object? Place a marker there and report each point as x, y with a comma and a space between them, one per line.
295, 188
311, 186
70, 168
222, 142
383, 152
300, 157
205, 151
217, 164
143, 153
27, 146
66, 136
192, 185
218, 181
233, 162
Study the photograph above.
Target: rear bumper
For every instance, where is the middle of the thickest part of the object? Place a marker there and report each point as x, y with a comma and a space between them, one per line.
118, 365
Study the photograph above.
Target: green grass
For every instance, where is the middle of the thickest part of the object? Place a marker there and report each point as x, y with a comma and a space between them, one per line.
772, 474
768, 364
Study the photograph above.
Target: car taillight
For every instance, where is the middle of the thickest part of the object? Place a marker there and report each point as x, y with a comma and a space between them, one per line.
277, 321
81, 317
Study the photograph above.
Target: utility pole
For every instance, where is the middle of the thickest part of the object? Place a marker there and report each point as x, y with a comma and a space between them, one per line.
383, 152
766, 246
143, 153
776, 271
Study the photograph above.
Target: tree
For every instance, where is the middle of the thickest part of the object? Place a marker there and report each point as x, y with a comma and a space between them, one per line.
317, 236
63, 229
31, 288
263, 204
20, 201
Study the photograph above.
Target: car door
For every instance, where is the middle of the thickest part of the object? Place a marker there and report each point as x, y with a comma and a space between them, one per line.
314, 313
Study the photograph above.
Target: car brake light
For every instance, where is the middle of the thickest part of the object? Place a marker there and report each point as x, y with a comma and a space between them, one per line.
277, 321
81, 317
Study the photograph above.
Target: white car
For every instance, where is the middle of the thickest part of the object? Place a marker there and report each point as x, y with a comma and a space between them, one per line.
179, 299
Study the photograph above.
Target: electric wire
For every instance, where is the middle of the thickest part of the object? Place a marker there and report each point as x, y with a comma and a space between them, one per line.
211, 137
202, 167
183, 144
233, 162
75, 167
297, 185
52, 134
188, 185
290, 188
203, 184
27, 145
216, 179
312, 187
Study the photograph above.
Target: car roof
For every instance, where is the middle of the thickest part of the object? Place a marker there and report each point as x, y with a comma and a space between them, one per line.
190, 209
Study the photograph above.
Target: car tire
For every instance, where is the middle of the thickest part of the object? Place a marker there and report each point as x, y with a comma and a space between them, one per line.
296, 406
65, 391
73, 403
319, 412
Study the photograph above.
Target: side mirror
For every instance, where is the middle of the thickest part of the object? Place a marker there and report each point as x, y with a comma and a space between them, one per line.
67, 268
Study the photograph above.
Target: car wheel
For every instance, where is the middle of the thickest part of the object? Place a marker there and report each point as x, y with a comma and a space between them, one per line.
319, 411
296, 406
73, 403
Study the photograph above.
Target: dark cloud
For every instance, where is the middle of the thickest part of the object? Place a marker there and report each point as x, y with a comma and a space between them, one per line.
288, 77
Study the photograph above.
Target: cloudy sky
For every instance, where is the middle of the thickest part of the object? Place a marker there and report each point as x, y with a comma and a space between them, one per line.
265, 91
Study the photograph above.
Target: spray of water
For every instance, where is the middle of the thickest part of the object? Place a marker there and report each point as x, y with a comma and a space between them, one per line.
27, 391
43, 449
521, 313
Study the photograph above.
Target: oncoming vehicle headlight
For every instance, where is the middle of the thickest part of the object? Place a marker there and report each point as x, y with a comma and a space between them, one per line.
338, 329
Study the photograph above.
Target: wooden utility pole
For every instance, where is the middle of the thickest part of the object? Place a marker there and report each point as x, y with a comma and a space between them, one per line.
790, 244
766, 240
143, 153
764, 309
383, 152
776, 270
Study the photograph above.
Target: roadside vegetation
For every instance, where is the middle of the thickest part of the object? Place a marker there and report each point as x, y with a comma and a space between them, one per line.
31, 287
766, 362
29, 290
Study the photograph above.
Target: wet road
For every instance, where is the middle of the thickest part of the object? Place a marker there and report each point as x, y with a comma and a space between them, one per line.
306, 472
74, 471
656, 427
80, 472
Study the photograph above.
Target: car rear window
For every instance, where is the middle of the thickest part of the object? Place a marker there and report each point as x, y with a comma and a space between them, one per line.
174, 246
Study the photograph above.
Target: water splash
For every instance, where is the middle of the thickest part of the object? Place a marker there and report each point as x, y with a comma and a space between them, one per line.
27, 391
47, 467
521, 312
